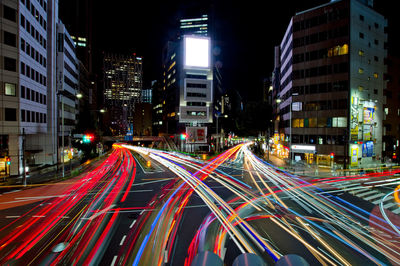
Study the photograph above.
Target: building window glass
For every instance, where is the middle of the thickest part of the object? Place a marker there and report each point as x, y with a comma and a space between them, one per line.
386, 111
312, 122
22, 115
10, 39
360, 52
10, 64
23, 92
9, 89
375, 75
9, 13
361, 35
360, 70
361, 17
10, 114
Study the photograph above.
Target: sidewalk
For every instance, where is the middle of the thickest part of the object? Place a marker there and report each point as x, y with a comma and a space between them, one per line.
51, 173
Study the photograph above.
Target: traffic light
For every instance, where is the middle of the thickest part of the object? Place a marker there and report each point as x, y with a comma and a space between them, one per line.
332, 155
87, 138
183, 136
394, 157
8, 160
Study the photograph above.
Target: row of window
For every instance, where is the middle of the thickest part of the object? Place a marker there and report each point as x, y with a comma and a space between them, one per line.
29, 94
321, 71
376, 25
332, 15
321, 87
195, 104
327, 122
196, 113
321, 140
32, 116
321, 53
33, 74
196, 85
29, 50
196, 94
321, 36
35, 13
33, 32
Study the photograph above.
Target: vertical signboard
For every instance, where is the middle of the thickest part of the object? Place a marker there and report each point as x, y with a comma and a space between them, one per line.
354, 156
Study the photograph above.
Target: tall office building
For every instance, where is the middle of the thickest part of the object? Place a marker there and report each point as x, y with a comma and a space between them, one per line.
186, 85
28, 102
67, 85
391, 129
123, 83
331, 84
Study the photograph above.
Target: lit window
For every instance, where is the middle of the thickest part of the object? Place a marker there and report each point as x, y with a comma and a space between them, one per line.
360, 70
360, 88
386, 111
9, 89
360, 52
375, 75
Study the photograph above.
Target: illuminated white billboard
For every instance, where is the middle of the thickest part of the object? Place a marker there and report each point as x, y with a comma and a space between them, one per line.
197, 52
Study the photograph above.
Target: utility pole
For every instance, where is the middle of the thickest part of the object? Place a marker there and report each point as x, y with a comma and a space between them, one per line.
217, 137
69, 151
290, 133
23, 157
62, 136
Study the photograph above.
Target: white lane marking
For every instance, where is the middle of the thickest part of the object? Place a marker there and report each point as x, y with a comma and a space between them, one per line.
122, 240
141, 212
379, 195
11, 191
13, 216
114, 260
132, 224
38, 216
143, 190
150, 182
152, 203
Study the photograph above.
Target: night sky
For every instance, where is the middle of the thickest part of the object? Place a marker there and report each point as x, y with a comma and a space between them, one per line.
246, 33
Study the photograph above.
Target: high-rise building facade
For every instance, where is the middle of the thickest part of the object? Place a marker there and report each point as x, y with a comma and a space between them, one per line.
391, 127
194, 26
67, 80
28, 118
185, 95
330, 98
123, 83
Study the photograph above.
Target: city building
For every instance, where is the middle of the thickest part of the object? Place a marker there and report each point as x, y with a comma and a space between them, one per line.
28, 99
147, 95
185, 96
123, 83
330, 98
67, 86
142, 119
391, 129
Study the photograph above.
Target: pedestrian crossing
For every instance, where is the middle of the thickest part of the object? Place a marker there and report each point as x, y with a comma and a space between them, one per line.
369, 194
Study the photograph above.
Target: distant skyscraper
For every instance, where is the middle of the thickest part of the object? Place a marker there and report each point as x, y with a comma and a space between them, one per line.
197, 26
147, 96
123, 83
